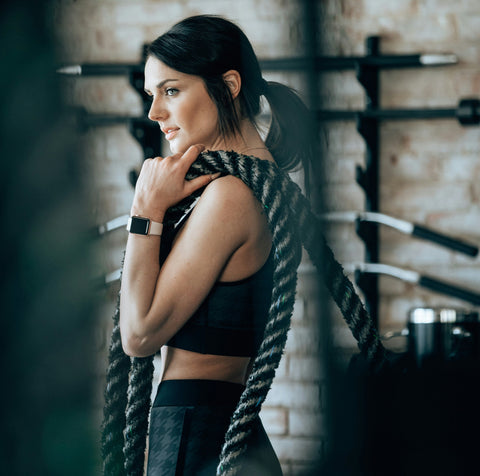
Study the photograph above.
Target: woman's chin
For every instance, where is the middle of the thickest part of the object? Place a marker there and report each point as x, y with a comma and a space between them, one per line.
176, 148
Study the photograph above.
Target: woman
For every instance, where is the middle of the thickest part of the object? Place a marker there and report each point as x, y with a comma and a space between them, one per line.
208, 302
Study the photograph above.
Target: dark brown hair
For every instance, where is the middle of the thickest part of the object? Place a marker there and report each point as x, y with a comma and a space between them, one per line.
208, 46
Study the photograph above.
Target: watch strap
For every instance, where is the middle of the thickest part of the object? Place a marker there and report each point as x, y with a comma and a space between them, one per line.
144, 226
155, 228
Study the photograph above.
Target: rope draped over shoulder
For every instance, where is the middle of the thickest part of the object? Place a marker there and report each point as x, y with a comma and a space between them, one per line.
292, 223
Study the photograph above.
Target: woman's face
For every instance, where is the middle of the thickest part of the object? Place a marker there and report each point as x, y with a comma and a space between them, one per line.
182, 107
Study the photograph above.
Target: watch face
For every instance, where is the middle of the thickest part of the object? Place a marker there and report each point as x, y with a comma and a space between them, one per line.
139, 225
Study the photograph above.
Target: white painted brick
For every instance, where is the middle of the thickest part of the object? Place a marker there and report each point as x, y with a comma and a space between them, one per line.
468, 25
434, 88
341, 197
341, 90
293, 395
411, 253
389, 285
299, 309
302, 341
468, 137
340, 168
424, 137
342, 138
344, 241
282, 370
427, 196
113, 202
343, 337
390, 8
410, 167
308, 369
462, 224
140, 13
445, 6
274, 420
297, 449
303, 423
287, 469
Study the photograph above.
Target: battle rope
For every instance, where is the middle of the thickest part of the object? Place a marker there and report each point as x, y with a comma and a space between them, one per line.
291, 222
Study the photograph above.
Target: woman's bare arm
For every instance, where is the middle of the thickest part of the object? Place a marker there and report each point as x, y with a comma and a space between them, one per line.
156, 302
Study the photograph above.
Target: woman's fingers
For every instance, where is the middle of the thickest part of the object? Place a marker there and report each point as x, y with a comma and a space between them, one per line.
191, 154
162, 181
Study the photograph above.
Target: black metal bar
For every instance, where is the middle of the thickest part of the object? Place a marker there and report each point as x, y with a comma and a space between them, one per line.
368, 76
100, 69
387, 114
319, 63
148, 135
433, 284
95, 120
441, 239
332, 63
407, 227
137, 80
337, 63
468, 113
449, 289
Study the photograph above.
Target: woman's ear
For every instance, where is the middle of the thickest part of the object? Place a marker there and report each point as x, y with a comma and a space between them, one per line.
233, 81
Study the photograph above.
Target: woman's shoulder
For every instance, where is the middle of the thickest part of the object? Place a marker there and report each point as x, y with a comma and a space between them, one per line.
229, 192
229, 202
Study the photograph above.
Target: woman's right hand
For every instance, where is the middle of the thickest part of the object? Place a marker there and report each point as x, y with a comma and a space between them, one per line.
162, 184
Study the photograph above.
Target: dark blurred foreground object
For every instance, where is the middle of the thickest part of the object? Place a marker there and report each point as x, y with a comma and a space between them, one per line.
420, 416
46, 342
409, 420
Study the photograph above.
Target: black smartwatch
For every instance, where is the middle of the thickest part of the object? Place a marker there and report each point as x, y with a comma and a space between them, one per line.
144, 226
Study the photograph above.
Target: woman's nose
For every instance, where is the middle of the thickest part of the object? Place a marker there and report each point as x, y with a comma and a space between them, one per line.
157, 111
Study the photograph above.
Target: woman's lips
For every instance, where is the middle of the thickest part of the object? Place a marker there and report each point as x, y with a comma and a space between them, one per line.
170, 133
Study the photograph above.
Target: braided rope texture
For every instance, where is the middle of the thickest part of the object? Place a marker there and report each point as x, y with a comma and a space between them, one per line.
291, 222
114, 419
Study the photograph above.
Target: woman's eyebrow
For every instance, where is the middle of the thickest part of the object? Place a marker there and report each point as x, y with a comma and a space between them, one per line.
161, 84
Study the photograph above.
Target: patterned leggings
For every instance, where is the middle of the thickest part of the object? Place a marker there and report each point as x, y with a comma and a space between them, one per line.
188, 422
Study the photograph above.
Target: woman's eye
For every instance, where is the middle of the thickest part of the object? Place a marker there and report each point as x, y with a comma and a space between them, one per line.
171, 91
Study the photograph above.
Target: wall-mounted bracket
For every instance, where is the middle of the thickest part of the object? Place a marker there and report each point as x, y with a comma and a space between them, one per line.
148, 135
368, 75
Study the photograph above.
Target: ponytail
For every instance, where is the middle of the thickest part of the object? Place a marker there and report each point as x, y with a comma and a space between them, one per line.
207, 46
291, 138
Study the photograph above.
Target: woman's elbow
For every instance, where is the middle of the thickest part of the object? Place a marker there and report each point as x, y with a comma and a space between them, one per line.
136, 346
141, 337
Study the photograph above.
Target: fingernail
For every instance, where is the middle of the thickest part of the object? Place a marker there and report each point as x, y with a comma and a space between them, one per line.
200, 147
214, 176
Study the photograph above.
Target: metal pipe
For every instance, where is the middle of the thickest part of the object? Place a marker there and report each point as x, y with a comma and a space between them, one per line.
467, 113
414, 277
403, 226
113, 224
387, 114
320, 63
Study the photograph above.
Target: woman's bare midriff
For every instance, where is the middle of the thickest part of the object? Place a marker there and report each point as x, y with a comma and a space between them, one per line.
184, 364
248, 259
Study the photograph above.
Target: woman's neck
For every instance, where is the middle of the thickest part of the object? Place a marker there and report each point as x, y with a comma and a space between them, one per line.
247, 141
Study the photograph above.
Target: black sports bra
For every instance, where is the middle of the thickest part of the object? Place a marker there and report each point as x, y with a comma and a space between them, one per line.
231, 320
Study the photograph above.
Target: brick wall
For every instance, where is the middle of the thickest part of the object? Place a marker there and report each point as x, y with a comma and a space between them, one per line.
429, 169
